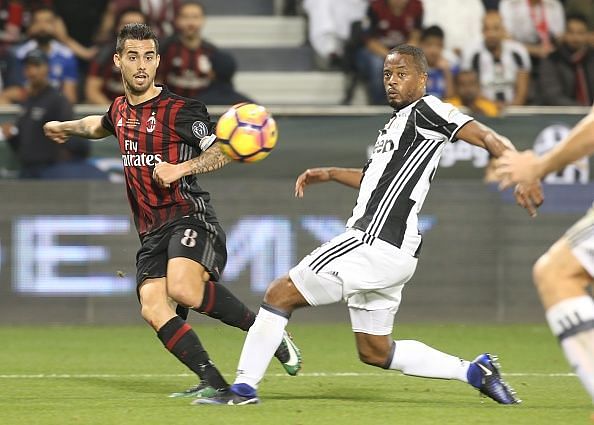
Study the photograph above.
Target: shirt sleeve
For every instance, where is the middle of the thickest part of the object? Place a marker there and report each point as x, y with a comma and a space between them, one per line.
440, 117
194, 126
107, 121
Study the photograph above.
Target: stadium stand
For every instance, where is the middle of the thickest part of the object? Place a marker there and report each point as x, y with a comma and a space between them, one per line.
275, 62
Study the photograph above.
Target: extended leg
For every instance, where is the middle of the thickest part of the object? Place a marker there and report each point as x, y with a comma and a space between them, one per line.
376, 347
262, 340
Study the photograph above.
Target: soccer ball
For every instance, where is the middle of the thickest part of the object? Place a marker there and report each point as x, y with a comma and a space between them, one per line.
247, 132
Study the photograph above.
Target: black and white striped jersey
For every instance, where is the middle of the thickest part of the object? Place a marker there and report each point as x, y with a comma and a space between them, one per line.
397, 177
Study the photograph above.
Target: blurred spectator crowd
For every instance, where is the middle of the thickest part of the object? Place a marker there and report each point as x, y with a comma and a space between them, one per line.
519, 52
79, 39
484, 55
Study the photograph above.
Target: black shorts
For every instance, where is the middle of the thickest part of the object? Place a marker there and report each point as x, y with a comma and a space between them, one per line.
186, 237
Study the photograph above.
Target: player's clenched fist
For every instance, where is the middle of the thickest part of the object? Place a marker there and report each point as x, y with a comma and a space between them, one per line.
312, 175
165, 173
56, 131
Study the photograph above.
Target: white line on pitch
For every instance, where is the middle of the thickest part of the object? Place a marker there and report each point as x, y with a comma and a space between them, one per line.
181, 375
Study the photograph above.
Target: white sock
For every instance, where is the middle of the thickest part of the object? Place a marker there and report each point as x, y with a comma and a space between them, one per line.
572, 322
418, 359
262, 340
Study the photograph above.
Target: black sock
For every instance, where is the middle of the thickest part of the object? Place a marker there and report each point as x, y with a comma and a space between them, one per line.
219, 303
179, 338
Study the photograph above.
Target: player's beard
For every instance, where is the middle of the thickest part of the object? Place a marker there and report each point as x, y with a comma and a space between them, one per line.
135, 89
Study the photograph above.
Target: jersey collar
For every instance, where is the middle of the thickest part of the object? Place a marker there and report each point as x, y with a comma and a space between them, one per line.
164, 91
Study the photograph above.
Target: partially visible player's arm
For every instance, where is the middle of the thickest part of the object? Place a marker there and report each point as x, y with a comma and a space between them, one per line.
526, 167
528, 195
89, 127
347, 176
479, 134
210, 160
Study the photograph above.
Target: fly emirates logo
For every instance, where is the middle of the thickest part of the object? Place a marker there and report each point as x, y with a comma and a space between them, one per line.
133, 159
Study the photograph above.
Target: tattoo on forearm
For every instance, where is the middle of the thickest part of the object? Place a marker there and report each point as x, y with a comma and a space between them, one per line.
210, 160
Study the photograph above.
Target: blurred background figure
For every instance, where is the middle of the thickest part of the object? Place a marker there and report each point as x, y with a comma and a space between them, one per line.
39, 156
567, 74
12, 23
221, 90
329, 27
503, 65
12, 30
63, 66
469, 96
537, 24
440, 75
460, 21
77, 26
584, 8
389, 23
160, 15
186, 66
104, 80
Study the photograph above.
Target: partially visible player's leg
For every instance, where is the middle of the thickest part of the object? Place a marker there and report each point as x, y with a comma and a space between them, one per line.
261, 342
175, 334
205, 244
562, 277
185, 282
373, 329
206, 247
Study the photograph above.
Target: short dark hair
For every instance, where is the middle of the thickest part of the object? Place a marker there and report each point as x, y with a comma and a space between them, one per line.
135, 32
416, 53
432, 31
576, 17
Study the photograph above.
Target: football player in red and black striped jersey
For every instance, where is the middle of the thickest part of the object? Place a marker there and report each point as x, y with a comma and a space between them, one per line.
165, 140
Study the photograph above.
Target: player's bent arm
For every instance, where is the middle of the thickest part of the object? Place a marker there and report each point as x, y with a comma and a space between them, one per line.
348, 176
577, 144
479, 134
89, 127
212, 159
529, 196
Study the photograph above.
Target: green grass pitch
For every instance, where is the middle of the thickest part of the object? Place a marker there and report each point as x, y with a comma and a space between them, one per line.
122, 375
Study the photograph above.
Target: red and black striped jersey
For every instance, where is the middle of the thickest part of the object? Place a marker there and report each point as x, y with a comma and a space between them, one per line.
187, 71
166, 128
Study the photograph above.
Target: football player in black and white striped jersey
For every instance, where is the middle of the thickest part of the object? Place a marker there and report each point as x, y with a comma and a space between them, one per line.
368, 265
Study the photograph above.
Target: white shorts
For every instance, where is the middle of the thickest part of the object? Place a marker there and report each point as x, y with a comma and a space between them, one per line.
581, 240
368, 278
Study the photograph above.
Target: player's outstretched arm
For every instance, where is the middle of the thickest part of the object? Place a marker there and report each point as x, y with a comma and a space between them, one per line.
347, 176
528, 195
89, 127
210, 160
526, 167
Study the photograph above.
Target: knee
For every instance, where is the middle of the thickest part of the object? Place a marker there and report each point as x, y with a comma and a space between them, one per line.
186, 293
282, 294
543, 272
